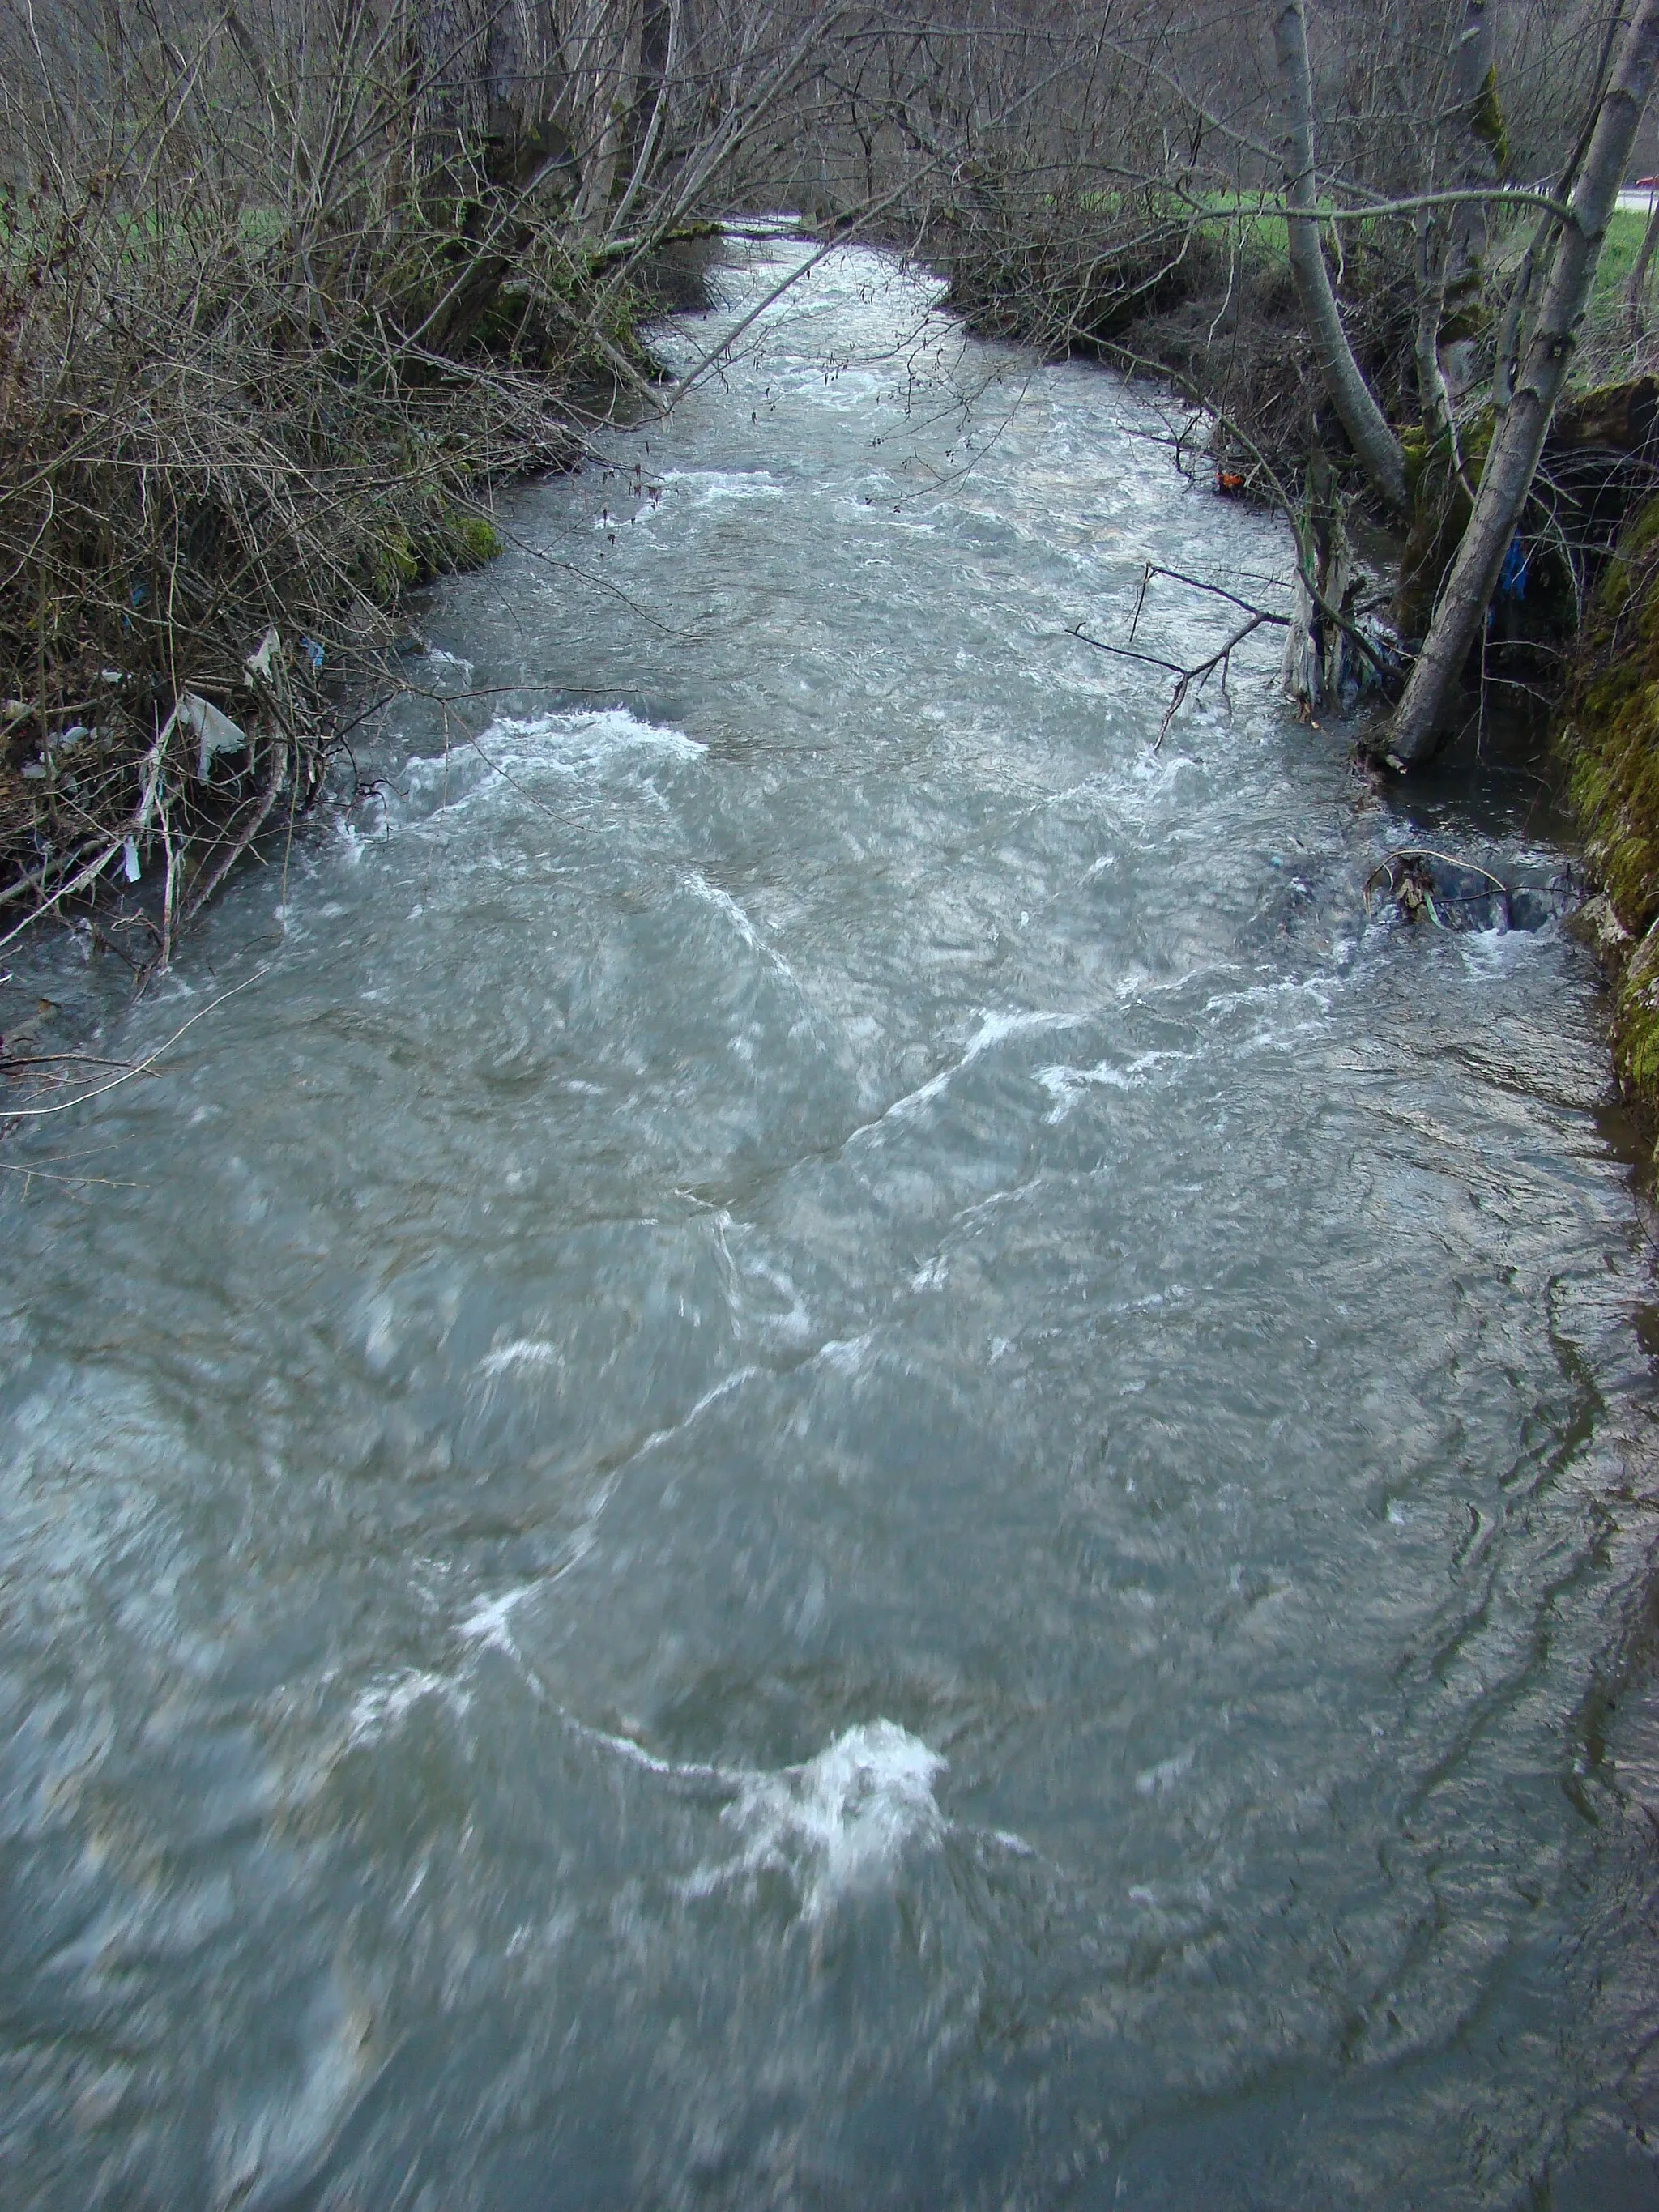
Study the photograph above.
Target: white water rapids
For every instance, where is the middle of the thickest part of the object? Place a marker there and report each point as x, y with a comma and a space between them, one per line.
845, 1453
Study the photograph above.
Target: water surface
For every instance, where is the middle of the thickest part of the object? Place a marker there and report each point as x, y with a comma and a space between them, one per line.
840, 1453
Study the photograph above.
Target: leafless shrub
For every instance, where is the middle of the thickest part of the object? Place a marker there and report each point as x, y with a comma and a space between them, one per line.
282, 292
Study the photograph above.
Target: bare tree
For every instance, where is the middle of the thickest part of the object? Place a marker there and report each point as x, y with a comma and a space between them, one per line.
1523, 422
1373, 441
1468, 151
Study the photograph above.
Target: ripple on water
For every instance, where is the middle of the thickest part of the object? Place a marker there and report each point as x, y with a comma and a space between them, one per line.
845, 1451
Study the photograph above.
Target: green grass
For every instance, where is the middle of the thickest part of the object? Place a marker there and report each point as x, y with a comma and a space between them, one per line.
1618, 251
1265, 234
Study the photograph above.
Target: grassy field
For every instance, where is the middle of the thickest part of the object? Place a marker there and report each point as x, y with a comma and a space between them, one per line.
1618, 252
1260, 232
1265, 234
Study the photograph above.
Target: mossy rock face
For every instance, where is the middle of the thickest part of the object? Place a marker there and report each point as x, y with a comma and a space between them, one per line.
1610, 740
392, 562
448, 539
1636, 1035
1609, 743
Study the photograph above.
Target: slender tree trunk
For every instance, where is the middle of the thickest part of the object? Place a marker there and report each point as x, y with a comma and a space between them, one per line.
1316, 660
1635, 321
662, 64
1476, 155
1451, 242
600, 41
1368, 430
1518, 439
1433, 390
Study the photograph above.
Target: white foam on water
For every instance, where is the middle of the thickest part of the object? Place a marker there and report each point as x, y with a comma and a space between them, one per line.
723, 903
1066, 1085
577, 744
589, 737
712, 895
486, 1622
488, 1625
1157, 1781
793, 1326
993, 1030
704, 486
351, 843
727, 483
1489, 954
1279, 1040
841, 1824
1226, 1002
711, 1396
846, 1354
524, 1351
635, 1754
698, 884
382, 1705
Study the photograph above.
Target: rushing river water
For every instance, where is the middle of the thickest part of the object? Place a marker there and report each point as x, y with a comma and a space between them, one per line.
839, 1453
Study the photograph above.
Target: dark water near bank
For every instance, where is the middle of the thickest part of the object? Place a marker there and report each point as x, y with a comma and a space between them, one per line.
843, 1455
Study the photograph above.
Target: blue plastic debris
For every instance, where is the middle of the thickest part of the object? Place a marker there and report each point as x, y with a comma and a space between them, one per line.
1513, 576
313, 653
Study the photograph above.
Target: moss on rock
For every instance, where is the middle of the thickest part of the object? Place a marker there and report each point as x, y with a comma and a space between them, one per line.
1610, 736
469, 540
1608, 740
447, 539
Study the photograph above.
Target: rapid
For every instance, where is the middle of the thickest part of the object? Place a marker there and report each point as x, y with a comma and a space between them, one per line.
834, 1447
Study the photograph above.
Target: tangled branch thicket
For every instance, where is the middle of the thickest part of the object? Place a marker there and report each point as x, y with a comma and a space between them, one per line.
286, 285
279, 302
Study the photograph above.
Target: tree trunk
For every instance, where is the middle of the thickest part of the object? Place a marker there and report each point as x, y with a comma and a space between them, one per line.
1478, 155
1433, 392
1469, 150
600, 39
1518, 439
659, 53
1635, 321
1368, 430
1315, 666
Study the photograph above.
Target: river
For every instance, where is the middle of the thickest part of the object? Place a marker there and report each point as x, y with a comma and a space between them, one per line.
836, 1449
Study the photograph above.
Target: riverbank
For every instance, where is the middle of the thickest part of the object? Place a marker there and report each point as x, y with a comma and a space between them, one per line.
228, 446
1203, 298
1607, 739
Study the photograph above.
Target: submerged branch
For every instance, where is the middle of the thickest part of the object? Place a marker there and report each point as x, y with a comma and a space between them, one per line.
1195, 678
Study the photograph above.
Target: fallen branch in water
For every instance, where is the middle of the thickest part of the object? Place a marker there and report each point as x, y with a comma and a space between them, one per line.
59, 1060
1402, 877
139, 1066
1196, 677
